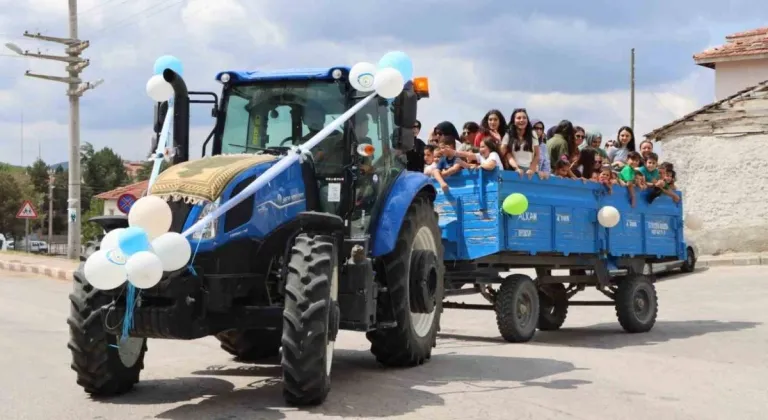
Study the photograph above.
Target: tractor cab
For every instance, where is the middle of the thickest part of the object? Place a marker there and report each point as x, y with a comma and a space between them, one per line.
272, 112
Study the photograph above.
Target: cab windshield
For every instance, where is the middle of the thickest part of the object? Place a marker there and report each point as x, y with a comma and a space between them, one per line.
272, 115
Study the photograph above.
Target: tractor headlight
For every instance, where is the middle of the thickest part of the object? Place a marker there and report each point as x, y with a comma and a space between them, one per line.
209, 230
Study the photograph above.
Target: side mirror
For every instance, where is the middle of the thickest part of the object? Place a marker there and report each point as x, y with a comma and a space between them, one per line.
403, 138
404, 107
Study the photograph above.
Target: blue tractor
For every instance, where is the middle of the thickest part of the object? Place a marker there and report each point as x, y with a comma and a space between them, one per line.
347, 238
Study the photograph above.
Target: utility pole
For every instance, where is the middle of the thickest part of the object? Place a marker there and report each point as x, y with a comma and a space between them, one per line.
51, 180
632, 91
76, 88
21, 139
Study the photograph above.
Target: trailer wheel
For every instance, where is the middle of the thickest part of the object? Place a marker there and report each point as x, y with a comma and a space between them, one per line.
309, 324
636, 304
553, 306
517, 308
104, 366
251, 345
690, 262
413, 274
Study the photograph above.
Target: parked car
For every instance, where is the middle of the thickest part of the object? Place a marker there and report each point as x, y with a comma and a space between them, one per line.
686, 266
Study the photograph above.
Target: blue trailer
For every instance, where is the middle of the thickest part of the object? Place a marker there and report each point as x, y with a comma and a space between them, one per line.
559, 230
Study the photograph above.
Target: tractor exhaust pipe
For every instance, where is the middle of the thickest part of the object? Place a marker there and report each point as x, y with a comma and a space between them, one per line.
180, 116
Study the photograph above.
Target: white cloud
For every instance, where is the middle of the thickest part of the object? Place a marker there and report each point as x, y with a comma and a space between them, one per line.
234, 34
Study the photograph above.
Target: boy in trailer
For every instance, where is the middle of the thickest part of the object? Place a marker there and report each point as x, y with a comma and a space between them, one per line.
665, 186
627, 175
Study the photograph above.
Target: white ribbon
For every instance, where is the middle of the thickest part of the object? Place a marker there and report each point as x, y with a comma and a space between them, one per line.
162, 145
278, 168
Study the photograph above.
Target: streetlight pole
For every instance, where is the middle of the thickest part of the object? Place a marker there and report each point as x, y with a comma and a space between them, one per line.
76, 89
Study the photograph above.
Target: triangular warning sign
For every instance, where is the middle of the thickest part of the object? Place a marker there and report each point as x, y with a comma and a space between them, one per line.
27, 211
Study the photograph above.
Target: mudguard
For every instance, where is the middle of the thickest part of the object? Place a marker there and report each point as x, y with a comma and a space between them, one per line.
387, 226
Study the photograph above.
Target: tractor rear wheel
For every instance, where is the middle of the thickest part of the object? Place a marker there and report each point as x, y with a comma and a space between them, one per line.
251, 345
310, 319
104, 365
413, 275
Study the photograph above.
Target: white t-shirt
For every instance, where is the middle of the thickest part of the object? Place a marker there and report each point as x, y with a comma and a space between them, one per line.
429, 168
491, 156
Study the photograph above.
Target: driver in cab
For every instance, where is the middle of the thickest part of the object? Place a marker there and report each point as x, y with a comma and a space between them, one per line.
329, 154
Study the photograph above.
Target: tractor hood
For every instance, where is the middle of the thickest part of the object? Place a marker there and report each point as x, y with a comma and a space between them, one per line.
204, 180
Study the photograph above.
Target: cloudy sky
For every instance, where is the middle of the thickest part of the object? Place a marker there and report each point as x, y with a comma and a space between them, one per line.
558, 58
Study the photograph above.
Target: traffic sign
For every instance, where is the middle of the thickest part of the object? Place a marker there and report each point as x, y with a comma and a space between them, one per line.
27, 211
125, 202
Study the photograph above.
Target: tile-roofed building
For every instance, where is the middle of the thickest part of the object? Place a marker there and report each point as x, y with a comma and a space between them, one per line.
741, 45
739, 63
110, 197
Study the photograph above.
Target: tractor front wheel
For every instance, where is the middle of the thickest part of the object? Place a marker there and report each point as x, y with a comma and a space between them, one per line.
105, 366
310, 320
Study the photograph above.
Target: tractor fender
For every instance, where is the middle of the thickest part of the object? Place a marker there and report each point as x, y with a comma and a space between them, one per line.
387, 226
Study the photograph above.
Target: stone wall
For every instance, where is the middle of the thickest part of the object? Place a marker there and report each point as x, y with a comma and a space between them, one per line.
725, 183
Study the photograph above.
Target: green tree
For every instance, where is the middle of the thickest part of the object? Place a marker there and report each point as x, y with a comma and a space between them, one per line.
38, 174
9, 205
15, 187
91, 231
101, 171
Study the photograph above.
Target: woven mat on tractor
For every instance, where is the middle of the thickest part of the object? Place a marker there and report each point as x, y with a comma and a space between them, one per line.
203, 179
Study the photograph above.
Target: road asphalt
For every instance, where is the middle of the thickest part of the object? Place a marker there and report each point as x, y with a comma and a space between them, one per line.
705, 359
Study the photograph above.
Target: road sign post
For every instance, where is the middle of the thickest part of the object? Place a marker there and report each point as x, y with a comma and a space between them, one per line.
26, 212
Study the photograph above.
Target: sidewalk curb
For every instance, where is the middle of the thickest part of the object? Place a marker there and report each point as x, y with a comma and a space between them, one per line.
735, 261
55, 273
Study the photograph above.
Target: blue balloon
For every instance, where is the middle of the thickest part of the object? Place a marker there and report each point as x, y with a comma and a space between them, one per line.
133, 240
168, 62
399, 61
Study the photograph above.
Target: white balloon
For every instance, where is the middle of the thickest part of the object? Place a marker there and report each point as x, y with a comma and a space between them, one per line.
361, 76
158, 89
144, 269
152, 214
110, 240
608, 216
105, 269
173, 249
388, 83
693, 222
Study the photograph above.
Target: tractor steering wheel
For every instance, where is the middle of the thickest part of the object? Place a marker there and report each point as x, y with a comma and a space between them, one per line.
287, 140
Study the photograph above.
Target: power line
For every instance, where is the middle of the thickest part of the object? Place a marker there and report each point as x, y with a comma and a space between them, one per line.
132, 19
100, 5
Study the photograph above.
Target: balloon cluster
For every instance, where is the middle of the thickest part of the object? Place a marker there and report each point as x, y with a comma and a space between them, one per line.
157, 88
141, 252
387, 78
